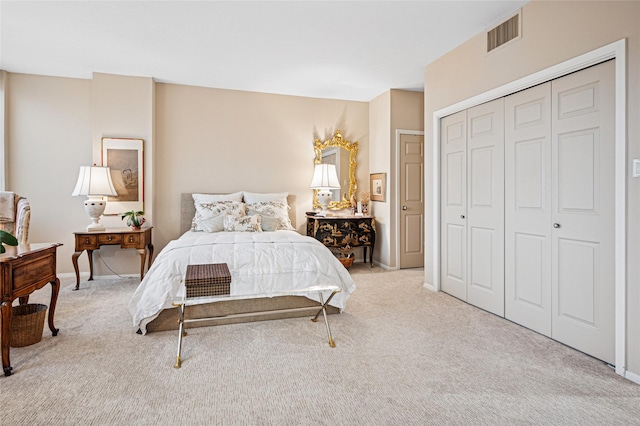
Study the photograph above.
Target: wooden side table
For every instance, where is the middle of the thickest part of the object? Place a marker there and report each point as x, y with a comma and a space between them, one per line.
23, 270
338, 231
139, 239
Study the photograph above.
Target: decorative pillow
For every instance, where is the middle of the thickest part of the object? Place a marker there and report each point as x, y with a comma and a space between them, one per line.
242, 223
209, 215
212, 224
269, 223
211, 198
256, 197
276, 210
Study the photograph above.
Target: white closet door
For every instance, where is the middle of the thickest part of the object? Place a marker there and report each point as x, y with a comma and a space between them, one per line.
528, 208
583, 211
485, 201
453, 192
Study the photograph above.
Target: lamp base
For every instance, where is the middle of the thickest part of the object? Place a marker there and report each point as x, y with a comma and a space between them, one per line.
94, 206
324, 198
95, 227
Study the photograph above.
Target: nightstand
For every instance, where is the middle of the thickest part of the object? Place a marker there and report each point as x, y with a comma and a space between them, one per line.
139, 239
338, 231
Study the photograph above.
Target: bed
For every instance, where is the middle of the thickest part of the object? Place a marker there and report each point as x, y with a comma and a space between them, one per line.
269, 265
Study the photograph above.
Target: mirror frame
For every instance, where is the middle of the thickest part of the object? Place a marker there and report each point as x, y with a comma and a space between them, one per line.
352, 147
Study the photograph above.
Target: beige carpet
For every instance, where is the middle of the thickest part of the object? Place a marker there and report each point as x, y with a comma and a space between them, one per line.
404, 355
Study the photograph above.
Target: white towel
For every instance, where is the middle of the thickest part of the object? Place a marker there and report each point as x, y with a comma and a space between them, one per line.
7, 207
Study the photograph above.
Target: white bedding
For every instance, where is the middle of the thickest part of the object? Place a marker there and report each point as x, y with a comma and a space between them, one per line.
262, 264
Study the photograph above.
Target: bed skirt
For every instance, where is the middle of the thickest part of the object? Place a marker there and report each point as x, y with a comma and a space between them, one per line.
168, 318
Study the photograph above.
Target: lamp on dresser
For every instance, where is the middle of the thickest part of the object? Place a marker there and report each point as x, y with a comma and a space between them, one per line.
324, 180
95, 182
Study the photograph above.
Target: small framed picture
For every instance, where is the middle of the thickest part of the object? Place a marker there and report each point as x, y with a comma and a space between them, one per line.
378, 186
124, 157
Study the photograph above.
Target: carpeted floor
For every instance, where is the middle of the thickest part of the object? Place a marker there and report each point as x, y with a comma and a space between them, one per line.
403, 355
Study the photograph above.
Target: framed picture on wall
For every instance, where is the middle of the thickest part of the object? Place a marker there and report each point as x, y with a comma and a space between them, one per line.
125, 159
378, 186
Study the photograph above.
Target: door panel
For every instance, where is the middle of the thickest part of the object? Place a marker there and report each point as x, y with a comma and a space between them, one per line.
453, 204
485, 201
583, 273
578, 171
411, 201
577, 264
455, 239
529, 281
528, 208
413, 241
481, 270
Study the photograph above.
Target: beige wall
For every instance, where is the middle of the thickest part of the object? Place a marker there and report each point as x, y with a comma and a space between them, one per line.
196, 139
379, 162
553, 32
123, 107
213, 140
48, 138
391, 111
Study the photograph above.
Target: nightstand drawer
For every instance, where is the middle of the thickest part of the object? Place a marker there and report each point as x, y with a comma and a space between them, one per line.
131, 240
109, 239
87, 242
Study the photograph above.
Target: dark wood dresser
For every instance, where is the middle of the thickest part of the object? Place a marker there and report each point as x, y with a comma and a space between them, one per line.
339, 231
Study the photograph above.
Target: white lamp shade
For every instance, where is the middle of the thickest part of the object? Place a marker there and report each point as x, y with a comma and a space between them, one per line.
325, 177
94, 181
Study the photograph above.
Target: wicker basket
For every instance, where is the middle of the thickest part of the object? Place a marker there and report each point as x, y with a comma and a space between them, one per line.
346, 261
27, 323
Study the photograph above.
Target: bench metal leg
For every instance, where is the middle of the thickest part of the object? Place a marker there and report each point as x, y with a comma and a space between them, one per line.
181, 334
324, 314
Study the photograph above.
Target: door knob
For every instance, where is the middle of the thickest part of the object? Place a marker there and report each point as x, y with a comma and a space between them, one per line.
404, 207
556, 225
461, 216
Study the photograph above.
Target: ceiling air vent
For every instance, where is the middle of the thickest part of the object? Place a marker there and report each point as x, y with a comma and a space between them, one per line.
505, 32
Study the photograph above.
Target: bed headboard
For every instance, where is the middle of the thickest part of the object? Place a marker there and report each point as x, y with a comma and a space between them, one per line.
188, 210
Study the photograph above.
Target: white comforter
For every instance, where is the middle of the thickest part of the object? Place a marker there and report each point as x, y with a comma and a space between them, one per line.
262, 264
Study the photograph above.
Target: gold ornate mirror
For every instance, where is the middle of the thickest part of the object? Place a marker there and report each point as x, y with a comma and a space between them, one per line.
343, 154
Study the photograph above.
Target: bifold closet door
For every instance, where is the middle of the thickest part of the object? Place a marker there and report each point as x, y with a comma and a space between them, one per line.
559, 210
485, 206
583, 224
472, 192
528, 208
453, 231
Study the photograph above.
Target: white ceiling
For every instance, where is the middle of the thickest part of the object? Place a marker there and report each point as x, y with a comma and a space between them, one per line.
351, 50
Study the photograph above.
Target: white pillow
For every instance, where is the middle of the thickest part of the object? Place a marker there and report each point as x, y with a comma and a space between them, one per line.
275, 211
256, 197
269, 223
207, 212
209, 198
242, 223
212, 224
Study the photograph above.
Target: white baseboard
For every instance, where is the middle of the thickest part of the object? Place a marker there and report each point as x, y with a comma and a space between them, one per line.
383, 266
429, 287
84, 276
632, 376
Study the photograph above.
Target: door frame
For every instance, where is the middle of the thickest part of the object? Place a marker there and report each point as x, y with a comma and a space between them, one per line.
400, 132
617, 51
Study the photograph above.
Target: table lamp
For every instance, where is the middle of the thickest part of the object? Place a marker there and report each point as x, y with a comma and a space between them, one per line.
94, 182
324, 180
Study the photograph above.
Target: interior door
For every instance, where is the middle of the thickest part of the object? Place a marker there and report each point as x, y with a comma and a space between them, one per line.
583, 272
411, 201
485, 206
528, 208
454, 204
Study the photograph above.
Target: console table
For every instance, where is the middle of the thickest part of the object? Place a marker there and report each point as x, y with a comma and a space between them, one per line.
23, 270
339, 231
139, 239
